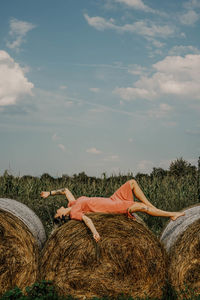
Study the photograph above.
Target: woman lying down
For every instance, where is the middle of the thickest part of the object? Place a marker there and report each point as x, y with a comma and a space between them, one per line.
121, 202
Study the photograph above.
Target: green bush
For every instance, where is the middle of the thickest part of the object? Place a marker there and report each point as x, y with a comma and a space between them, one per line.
14, 294
43, 290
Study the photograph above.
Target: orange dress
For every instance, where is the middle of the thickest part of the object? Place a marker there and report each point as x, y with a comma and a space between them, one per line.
119, 202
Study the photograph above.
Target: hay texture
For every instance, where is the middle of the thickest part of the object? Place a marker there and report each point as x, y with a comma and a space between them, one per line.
18, 248
27, 216
182, 241
128, 259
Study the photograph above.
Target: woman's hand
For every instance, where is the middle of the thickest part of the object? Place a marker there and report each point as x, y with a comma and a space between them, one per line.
91, 226
45, 194
96, 236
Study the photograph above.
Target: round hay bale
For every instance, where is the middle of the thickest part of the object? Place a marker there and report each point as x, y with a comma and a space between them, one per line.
182, 241
27, 216
175, 228
18, 246
128, 259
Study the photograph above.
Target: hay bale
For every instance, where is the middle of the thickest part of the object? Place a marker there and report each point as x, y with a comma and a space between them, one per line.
174, 229
128, 259
181, 239
27, 216
18, 245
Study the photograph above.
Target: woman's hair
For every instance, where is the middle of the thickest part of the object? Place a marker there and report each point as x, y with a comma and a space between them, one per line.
60, 221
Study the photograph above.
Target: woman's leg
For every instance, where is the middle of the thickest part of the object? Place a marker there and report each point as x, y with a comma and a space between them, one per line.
153, 211
147, 207
139, 193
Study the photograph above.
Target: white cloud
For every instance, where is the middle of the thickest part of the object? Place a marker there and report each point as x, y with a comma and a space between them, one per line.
95, 90
69, 103
174, 76
146, 28
55, 137
139, 5
132, 93
137, 70
100, 23
13, 83
62, 147
157, 44
149, 29
189, 18
161, 111
63, 87
183, 50
18, 31
136, 4
183, 35
93, 151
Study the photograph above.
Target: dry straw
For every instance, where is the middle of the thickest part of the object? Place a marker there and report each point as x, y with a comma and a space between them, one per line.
27, 216
182, 241
128, 259
18, 246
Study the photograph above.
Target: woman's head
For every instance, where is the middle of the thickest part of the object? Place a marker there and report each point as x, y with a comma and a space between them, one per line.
60, 212
61, 216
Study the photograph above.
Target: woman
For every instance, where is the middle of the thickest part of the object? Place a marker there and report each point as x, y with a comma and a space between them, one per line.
120, 202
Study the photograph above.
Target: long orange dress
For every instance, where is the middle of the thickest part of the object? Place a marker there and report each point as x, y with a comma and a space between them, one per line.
119, 202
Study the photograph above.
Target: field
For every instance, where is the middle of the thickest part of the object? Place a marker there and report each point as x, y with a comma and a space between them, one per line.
167, 190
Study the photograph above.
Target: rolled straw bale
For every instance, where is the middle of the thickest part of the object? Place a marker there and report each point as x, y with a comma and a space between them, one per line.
128, 259
18, 246
182, 241
175, 228
27, 216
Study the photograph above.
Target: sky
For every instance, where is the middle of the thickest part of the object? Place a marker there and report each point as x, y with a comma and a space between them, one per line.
98, 86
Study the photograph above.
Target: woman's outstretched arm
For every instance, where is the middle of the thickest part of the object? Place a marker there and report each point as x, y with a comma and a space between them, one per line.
64, 191
88, 222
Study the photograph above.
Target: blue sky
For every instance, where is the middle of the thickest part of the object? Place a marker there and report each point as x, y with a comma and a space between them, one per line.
98, 85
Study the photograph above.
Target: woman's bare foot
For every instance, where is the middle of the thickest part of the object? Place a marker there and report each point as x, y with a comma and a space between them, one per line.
177, 215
